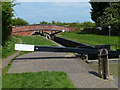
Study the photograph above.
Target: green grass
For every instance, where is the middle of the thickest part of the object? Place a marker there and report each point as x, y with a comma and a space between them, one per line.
8, 48
37, 80
90, 39
36, 40
113, 68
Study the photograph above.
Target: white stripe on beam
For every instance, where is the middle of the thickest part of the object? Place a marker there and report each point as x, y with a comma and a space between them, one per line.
24, 47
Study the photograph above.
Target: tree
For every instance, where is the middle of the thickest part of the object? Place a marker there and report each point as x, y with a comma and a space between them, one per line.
43, 22
7, 14
87, 25
97, 9
111, 16
19, 22
58, 23
53, 22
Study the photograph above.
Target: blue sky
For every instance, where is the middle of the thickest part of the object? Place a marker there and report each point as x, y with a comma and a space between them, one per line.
35, 12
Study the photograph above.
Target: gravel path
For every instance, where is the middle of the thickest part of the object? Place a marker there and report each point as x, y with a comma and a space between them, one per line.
81, 74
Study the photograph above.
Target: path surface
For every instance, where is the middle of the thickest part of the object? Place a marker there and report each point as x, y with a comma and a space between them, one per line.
81, 74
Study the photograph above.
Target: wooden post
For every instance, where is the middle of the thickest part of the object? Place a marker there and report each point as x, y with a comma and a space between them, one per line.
103, 64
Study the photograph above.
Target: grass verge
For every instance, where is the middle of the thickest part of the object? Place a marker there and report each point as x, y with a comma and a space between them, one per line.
90, 39
37, 80
8, 48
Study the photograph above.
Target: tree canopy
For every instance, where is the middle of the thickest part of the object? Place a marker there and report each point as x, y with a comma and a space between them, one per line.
106, 14
97, 9
111, 16
71, 24
19, 22
43, 22
7, 14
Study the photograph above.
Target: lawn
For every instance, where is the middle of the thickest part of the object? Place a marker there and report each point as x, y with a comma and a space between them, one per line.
37, 80
36, 40
90, 39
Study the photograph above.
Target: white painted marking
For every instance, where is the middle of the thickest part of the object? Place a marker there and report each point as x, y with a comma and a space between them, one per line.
24, 47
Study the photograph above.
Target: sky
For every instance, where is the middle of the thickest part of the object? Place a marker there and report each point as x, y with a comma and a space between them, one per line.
35, 12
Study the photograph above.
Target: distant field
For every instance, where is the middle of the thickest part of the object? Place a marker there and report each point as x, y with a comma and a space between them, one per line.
37, 80
90, 39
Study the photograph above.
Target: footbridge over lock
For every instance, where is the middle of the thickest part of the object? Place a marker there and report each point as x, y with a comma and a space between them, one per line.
39, 29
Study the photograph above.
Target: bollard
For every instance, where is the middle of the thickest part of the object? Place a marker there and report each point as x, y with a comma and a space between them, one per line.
103, 64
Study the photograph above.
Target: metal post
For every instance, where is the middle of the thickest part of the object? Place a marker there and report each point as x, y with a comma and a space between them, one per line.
109, 30
103, 65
